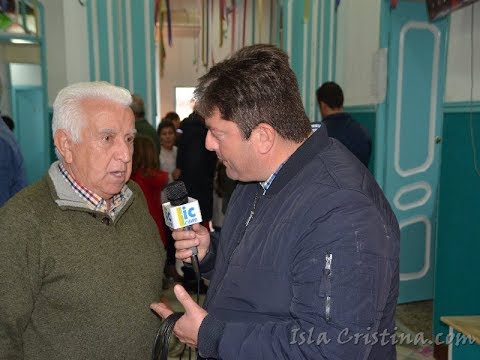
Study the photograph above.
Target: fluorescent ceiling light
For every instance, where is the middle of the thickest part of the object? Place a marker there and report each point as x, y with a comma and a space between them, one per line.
21, 41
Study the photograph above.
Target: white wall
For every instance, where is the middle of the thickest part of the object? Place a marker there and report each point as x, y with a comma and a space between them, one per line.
459, 65
358, 32
66, 44
55, 47
76, 42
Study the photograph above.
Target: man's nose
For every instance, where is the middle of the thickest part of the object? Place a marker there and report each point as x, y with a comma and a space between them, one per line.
210, 142
123, 151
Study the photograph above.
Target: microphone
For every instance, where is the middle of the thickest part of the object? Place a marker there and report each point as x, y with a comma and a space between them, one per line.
181, 212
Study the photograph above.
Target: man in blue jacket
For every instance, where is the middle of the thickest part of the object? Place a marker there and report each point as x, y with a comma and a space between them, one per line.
306, 264
340, 124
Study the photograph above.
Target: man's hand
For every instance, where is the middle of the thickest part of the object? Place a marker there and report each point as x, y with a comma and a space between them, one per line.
187, 327
176, 173
186, 239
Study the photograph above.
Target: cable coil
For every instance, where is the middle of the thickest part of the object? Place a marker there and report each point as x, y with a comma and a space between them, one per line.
162, 339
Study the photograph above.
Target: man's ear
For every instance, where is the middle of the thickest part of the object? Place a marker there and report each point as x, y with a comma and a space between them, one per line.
322, 106
63, 142
264, 137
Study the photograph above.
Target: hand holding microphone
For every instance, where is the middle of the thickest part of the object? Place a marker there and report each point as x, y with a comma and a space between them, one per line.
183, 213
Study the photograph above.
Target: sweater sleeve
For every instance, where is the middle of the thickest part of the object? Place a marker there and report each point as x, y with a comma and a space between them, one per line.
341, 278
19, 277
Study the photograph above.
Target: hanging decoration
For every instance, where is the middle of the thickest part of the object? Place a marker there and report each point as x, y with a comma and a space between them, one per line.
158, 21
5, 20
259, 19
393, 4
271, 23
203, 33
280, 26
221, 20
306, 11
35, 14
207, 37
169, 23
233, 24
244, 22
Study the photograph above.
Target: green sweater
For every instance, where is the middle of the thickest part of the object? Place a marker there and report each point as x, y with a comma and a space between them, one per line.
73, 285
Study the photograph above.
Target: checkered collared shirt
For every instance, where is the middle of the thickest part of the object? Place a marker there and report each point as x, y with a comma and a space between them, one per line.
94, 201
266, 184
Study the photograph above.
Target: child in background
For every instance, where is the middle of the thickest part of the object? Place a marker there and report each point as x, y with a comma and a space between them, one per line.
147, 174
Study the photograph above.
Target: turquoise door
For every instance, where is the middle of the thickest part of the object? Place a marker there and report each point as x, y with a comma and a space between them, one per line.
29, 116
416, 79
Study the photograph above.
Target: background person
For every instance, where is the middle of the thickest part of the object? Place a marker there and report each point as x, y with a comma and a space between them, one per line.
147, 174
340, 125
12, 172
143, 127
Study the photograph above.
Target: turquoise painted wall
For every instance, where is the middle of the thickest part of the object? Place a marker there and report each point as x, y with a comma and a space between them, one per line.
122, 47
309, 40
457, 287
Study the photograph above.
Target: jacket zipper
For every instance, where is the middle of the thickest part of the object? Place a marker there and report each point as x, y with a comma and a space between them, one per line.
328, 273
250, 217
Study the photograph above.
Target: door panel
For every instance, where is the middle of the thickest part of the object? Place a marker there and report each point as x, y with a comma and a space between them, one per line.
417, 51
30, 130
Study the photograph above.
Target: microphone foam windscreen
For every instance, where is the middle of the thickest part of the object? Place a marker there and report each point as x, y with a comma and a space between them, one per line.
176, 193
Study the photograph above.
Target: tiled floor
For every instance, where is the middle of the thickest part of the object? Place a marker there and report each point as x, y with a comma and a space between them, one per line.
415, 319
412, 319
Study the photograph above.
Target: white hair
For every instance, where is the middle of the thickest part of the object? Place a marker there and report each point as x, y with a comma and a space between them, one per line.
67, 111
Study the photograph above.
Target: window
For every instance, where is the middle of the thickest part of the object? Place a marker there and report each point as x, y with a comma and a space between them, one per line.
183, 101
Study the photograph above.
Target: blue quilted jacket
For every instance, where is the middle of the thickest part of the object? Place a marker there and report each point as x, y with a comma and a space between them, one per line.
315, 273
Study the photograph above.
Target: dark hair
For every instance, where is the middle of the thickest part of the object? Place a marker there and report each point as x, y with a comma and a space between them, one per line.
172, 116
331, 94
144, 155
255, 85
9, 121
165, 123
137, 106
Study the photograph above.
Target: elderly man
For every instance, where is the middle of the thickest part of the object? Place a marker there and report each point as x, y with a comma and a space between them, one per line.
81, 258
307, 259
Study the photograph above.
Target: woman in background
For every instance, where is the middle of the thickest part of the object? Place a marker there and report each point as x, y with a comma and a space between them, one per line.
147, 174
168, 151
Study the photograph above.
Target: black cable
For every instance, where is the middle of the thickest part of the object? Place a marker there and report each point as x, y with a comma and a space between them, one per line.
162, 339
198, 275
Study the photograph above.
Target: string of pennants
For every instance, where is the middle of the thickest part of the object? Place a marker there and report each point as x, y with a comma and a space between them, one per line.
232, 16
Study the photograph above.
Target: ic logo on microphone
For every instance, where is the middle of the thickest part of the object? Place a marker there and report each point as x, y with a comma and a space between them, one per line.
180, 216
187, 215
